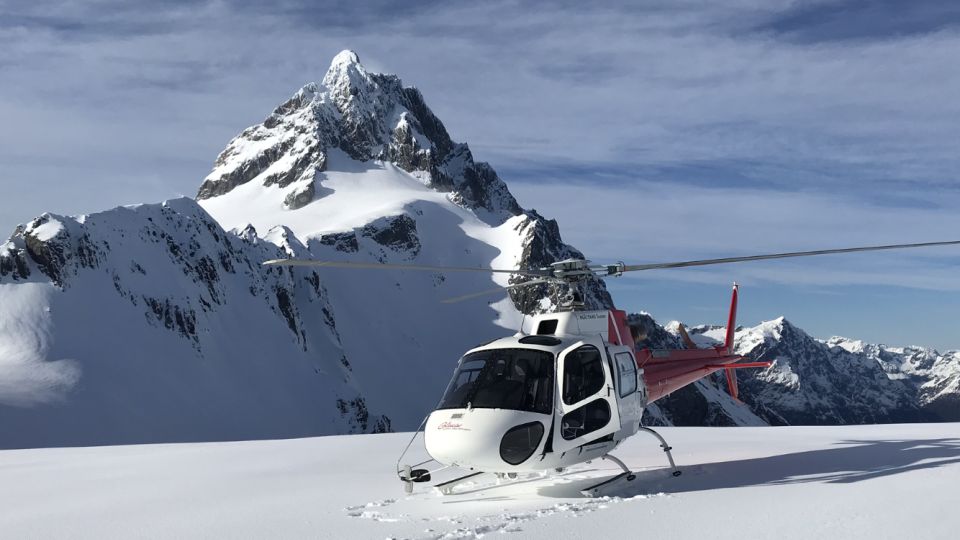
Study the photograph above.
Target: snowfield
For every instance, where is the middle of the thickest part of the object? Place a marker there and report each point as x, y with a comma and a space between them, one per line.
880, 481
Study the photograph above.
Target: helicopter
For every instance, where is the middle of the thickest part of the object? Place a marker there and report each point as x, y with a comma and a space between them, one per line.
571, 389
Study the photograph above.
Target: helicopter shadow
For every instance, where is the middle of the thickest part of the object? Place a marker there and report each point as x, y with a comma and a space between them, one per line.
847, 462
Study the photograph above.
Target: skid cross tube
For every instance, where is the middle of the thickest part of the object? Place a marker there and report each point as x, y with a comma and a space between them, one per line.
626, 470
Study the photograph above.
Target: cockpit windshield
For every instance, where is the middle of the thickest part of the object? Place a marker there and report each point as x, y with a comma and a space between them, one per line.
517, 379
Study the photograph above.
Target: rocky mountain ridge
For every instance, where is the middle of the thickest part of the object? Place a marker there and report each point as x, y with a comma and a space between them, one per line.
932, 376
837, 381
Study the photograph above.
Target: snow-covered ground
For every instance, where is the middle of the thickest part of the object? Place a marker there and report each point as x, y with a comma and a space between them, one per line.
880, 481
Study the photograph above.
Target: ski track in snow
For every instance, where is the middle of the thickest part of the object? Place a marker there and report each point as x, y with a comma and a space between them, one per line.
505, 521
478, 527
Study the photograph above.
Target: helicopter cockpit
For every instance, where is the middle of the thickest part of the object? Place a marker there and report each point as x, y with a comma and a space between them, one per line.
515, 379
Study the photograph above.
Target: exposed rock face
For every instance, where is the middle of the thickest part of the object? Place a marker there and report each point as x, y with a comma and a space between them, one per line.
542, 245
47, 242
345, 242
14, 257
934, 377
398, 233
300, 197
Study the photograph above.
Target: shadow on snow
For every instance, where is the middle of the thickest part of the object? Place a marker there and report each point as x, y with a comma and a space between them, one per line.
847, 462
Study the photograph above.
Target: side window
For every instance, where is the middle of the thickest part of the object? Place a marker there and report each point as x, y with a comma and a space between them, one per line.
582, 374
627, 368
586, 419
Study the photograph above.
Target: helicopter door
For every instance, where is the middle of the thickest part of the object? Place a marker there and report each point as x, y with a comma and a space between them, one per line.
587, 408
629, 390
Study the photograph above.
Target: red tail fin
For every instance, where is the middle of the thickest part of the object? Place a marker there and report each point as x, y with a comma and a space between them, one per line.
732, 321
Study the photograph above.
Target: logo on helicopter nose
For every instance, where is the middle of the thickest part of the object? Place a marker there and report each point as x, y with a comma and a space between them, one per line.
452, 425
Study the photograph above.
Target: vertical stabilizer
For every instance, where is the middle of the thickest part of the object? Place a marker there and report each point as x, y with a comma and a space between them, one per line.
732, 321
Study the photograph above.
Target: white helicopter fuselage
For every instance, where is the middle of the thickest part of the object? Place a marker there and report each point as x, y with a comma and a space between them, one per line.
561, 396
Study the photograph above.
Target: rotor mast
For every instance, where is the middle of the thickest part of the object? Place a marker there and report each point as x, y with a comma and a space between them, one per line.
572, 273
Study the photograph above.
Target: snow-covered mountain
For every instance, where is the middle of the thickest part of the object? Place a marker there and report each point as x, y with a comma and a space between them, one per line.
933, 377
150, 323
157, 322
839, 381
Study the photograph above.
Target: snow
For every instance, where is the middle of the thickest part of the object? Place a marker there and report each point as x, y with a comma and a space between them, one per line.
883, 481
358, 193
345, 56
47, 230
850, 345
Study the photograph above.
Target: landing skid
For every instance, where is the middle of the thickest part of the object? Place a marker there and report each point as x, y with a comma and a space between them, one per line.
410, 474
446, 488
628, 476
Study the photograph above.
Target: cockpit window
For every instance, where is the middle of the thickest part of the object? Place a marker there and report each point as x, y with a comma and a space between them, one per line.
517, 379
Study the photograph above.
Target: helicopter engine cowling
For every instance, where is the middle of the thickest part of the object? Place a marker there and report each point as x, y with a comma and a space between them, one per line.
490, 440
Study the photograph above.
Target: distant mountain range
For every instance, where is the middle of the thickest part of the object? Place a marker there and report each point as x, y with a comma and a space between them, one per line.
157, 322
837, 381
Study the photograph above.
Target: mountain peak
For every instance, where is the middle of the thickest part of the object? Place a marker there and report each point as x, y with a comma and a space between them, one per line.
345, 57
369, 117
345, 77
784, 326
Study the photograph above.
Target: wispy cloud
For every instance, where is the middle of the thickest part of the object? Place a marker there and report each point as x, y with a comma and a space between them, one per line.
849, 20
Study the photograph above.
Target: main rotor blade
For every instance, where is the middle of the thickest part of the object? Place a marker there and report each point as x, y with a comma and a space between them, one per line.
388, 266
705, 262
498, 289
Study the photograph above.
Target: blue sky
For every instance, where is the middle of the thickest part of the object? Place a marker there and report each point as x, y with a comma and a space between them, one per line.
651, 130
